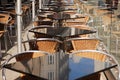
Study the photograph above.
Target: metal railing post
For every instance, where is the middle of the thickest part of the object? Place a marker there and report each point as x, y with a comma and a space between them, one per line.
19, 25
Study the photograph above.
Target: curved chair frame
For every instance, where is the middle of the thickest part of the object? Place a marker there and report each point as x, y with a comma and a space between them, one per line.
111, 57
14, 56
78, 38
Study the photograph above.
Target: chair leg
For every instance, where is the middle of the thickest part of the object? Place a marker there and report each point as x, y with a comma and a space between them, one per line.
11, 31
5, 42
3, 74
9, 38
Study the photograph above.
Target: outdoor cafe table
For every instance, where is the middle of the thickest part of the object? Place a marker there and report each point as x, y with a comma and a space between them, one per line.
64, 67
60, 32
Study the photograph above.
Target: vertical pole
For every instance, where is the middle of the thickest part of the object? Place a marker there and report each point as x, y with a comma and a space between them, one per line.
19, 25
33, 10
72, 31
40, 6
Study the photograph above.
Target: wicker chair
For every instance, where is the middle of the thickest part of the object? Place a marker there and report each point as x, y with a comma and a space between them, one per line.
84, 27
45, 44
77, 21
82, 44
110, 74
3, 27
24, 56
70, 12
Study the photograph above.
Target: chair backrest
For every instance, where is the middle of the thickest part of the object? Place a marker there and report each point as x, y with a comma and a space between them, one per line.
77, 21
71, 23
85, 44
23, 56
29, 55
45, 44
103, 57
92, 55
84, 27
6, 18
4, 22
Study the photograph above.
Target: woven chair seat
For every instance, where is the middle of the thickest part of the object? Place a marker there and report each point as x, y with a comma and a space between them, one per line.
77, 21
84, 27
29, 56
49, 46
5, 19
85, 44
92, 55
44, 44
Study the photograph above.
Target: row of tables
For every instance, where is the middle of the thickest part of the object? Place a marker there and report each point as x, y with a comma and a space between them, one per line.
60, 66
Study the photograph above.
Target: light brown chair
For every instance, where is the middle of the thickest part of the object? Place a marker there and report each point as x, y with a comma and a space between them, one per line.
3, 27
84, 27
70, 12
103, 57
27, 55
5, 19
48, 45
83, 43
77, 21
92, 55
45, 44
